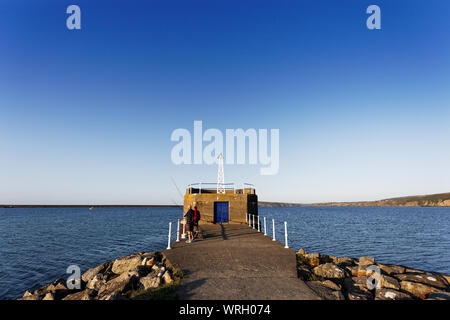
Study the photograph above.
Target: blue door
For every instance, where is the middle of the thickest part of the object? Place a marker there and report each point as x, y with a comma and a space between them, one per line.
221, 211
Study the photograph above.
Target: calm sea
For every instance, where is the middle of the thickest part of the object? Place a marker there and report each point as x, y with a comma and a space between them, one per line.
37, 245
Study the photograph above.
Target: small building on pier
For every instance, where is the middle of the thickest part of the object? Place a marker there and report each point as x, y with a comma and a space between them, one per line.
222, 204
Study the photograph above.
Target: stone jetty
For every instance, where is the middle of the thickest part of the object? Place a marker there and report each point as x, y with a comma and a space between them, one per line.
233, 261
236, 262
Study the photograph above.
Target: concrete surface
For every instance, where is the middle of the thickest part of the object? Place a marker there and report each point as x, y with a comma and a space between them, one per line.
233, 261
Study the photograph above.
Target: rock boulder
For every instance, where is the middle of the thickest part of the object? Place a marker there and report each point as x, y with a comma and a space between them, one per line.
49, 296
419, 290
81, 295
167, 277
359, 270
391, 294
363, 261
355, 294
429, 279
441, 295
126, 264
391, 269
356, 283
150, 282
303, 272
325, 292
329, 271
388, 282
312, 259
89, 274
344, 261
97, 282
330, 284
121, 284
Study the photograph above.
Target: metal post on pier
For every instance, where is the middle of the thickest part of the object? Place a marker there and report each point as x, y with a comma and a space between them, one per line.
248, 219
285, 236
253, 221
170, 234
183, 235
265, 227
178, 230
273, 230
259, 225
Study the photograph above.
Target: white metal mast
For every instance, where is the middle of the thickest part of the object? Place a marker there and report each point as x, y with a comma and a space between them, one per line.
220, 175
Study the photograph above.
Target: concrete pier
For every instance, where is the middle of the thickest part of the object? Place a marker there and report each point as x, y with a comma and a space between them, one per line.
236, 262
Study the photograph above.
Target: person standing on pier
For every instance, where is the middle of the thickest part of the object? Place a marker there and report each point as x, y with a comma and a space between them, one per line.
196, 220
189, 224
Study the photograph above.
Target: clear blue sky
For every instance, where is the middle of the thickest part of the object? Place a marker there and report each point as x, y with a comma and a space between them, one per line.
86, 116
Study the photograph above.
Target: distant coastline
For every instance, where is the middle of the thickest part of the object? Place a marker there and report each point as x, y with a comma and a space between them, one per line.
432, 200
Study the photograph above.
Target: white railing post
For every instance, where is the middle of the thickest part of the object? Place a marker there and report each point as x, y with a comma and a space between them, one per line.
259, 224
183, 235
273, 230
170, 231
253, 221
178, 230
285, 235
265, 227
249, 223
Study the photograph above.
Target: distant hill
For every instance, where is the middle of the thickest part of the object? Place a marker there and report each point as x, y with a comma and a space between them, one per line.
279, 204
432, 200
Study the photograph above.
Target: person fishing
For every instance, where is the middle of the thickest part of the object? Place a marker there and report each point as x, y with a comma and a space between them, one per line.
189, 224
196, 220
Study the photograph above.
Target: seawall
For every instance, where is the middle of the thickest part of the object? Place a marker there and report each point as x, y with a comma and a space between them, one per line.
233, 261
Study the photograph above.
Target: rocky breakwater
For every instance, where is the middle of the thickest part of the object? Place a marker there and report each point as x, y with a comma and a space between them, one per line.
344, 278
138, 276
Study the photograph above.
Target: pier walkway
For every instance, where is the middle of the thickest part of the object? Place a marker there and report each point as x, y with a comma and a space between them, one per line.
236, 262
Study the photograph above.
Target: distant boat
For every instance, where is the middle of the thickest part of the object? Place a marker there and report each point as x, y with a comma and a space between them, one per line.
91, 208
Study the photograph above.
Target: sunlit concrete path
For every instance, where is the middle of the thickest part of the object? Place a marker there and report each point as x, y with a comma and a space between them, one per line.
236, 262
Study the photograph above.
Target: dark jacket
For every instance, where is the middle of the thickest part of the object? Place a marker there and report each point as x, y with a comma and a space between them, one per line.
189, 216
